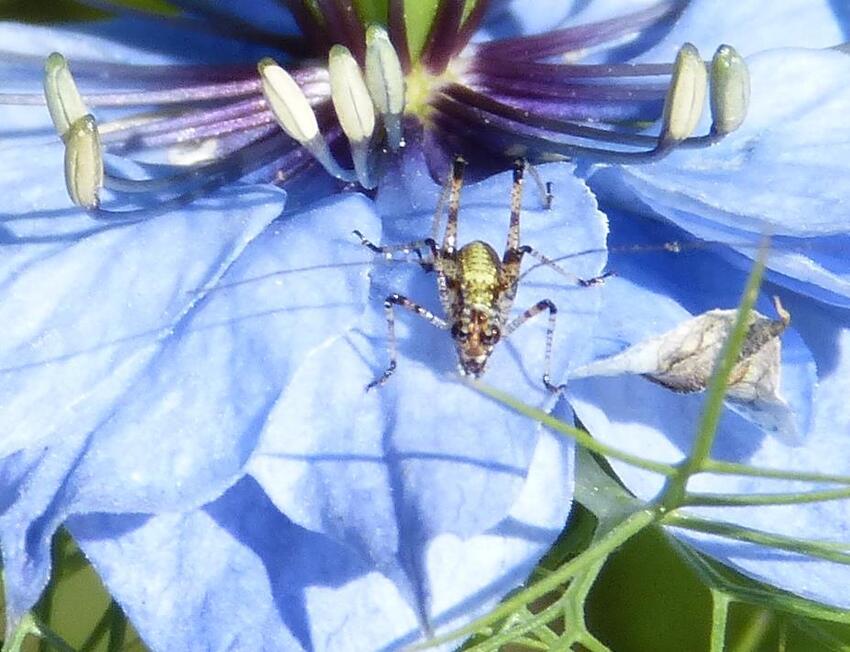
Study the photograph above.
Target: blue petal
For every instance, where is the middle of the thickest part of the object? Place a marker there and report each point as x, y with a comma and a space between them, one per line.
754, 26
269, 15
83, 321
261, 582
637, 416
815, 266
146, 389
237, 574
423, 456
136, 40
785, 171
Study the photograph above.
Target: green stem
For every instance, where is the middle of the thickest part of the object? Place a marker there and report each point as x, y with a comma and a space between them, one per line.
828, 551
26, 627
719, 614
44, 632
753, 636
103, 625
582, 438
754, 594
515, 630
604, 547
734, 468
742, 500
117, 628
676, 489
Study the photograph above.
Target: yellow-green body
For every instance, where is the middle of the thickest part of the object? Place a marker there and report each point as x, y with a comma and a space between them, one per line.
479, 271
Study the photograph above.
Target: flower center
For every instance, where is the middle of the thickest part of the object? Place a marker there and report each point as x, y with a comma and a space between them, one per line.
422, 87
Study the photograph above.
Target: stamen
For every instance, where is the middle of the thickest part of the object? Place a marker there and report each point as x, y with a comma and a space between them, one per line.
180, 95
548, 72
187, 186
685, 98
386, 82
508, 126
730, 90
212, 130
64, 101
354, 108
295, 115
83, 163
167, 121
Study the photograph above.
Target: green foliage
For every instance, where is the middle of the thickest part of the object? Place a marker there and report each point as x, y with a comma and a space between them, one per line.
68, 10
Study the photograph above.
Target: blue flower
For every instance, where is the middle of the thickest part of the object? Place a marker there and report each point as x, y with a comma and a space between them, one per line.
197, 419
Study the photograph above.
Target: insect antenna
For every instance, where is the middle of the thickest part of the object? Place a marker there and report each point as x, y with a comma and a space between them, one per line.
297, 270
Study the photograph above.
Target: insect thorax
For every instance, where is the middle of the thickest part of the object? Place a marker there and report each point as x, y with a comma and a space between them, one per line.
479, 276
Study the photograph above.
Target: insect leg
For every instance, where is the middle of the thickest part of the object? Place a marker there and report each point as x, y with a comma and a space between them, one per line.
536, 309
390, 303
516, 208
416, 246
456, 183
544, 188
548, 262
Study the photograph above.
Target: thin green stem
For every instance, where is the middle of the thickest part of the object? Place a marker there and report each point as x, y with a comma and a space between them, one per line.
742, 500
753, 636
582, 438
836, 552
44, 632
604, 547
734, 468
719, 615
575, 598
515, 630
676, 489
815, 631
26, 627
117, 628
103, 625
753, 594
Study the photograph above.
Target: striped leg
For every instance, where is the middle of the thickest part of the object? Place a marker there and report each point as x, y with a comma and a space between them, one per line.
548, 262
389, 308
516, 208
416, 246
535, 310
455, 184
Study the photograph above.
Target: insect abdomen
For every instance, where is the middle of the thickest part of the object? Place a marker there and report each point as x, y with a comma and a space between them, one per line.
479, 273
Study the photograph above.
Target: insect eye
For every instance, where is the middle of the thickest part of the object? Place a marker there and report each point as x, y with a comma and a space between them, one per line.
492, 336
459, 334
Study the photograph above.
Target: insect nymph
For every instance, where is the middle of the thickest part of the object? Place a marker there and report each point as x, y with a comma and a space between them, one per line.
477, 288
